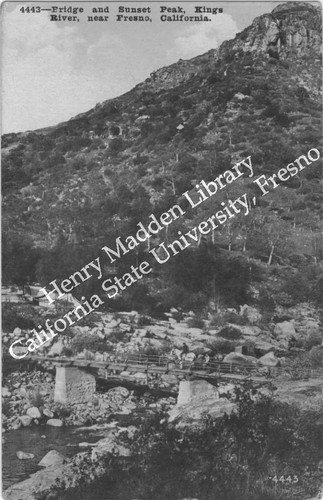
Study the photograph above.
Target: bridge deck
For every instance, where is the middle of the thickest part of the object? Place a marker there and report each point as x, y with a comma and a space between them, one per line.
161, 366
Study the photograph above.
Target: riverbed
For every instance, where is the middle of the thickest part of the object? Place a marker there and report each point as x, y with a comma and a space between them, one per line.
39, 440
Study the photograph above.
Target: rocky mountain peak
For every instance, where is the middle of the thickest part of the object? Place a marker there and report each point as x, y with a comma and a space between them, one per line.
292, 29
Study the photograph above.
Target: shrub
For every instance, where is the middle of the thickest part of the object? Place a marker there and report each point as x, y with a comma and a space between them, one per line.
316, 357
228, 458
221, 346
117, 335
61, 410
144, 321
313, 339
5, 407
89, 342
14, 316
116, 146
300, 367
195, 322
218, 320
35, 398
230, 333
66, 351
232, 317
177, 316
299, 370
140, 159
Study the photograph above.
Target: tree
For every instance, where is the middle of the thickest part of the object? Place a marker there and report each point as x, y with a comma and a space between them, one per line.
19, 259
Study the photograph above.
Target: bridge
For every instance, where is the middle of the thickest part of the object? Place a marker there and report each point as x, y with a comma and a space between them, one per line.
76, 378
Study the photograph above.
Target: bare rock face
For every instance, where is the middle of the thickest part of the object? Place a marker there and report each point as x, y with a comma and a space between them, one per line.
269, 360
292, 29
285, 330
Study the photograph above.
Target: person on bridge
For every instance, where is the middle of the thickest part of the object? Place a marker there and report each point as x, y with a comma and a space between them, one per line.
184, 350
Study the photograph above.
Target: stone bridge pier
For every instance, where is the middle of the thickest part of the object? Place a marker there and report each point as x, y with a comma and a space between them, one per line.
73, 386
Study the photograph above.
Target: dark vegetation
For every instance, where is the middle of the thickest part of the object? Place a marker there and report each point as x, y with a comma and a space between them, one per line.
236, 457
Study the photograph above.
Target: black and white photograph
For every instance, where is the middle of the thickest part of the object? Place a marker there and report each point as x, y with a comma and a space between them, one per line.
161, 249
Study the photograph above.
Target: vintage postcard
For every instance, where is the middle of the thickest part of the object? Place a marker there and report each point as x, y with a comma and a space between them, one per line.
161, 250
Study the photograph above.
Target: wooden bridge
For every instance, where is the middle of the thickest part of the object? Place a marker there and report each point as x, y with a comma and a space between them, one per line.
160, 365
75, 378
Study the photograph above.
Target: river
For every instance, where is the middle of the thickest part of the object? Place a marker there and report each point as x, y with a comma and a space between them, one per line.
31, 440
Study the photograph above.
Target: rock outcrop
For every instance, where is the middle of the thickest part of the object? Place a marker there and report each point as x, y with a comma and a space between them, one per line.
290, 30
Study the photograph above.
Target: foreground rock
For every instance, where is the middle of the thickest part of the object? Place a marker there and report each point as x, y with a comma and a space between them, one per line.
53, 457
33, 412
40, 482
269, 360
24, 456
72, 472
25, 420
54, 422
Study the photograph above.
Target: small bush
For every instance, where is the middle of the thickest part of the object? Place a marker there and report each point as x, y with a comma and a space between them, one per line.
232, 317
218, 320
14, 316
116, 145
62, 411
95, 401
177, 316
66, 351
300, 367
230, 333
221, 346
117, 335
89, 342
5, 407
313, 339
195, 323
144, 321
316, 357
35, 398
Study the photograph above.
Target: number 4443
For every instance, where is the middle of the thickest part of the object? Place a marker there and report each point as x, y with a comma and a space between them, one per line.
284, 479
30, 10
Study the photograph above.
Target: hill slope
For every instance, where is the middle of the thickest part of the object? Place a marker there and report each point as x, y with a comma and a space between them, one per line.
70, 189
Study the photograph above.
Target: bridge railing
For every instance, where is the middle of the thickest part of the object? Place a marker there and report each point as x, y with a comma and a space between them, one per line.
169, 364
149, 362
195, 365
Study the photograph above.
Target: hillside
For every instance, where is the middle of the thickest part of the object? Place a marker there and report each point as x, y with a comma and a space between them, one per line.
72, 188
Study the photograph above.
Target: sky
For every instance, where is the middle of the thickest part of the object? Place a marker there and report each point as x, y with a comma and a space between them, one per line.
52, 71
